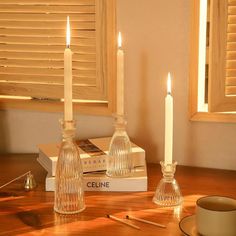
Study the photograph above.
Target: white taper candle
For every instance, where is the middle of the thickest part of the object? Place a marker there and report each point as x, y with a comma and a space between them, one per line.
120, 77
68, 113
168, 123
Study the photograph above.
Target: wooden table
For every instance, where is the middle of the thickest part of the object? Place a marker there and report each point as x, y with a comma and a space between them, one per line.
31, 213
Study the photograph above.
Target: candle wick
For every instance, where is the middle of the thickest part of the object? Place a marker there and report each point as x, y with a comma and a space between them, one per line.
169, 93
67, 46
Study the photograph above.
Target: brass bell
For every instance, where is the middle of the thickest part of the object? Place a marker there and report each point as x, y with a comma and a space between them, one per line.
30, 182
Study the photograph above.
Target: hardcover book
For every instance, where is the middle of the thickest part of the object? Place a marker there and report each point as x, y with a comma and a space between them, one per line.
93, 154
98, 181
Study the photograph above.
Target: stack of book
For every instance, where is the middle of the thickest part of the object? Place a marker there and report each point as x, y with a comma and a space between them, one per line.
93, 154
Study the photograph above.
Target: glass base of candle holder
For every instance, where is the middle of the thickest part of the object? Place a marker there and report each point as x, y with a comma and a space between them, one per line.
168, 192
69, 192
119, 160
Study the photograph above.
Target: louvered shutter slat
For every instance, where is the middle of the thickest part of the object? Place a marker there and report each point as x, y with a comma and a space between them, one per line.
36, 91
45, 9
46, 17
46, 25
45, 41
42, 48
44, 63
52, 2
47, 56
47, 79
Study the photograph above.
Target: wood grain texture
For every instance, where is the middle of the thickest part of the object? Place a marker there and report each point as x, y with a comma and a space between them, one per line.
193, 58
31, 213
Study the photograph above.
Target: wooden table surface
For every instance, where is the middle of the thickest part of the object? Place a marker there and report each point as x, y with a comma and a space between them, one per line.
31, 213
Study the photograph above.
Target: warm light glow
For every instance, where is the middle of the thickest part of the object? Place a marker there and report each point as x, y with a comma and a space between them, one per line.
169, 83
68, 32
178, 212
119, 40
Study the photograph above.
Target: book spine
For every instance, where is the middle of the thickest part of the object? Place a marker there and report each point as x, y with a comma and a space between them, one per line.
95, 163
89, 164
107, 185
98, 163
41, 161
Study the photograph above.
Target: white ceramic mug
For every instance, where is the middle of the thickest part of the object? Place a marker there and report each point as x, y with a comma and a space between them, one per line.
216, 216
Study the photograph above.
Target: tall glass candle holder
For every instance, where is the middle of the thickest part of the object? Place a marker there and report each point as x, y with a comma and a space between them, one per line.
168, 192
69, 192
119, 160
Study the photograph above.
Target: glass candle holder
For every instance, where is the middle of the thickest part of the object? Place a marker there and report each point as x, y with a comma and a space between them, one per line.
119, 160
69, 192
168, 192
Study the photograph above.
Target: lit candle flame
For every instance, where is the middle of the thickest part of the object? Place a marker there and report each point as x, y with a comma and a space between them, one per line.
68, 32
119, 40
169, 84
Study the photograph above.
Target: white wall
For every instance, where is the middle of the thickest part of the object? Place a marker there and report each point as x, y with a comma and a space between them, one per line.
21, 131
156, 40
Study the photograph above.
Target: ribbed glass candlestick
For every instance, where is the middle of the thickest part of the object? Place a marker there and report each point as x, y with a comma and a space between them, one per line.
168, 192
69, 192
119, 160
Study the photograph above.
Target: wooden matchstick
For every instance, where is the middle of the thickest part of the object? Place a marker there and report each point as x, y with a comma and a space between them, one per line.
145, 221
123, 221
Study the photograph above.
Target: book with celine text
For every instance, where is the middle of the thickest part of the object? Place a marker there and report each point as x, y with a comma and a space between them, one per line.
98, 181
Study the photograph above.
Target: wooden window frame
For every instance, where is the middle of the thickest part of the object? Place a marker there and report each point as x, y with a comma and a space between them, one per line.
194, 114
107, 67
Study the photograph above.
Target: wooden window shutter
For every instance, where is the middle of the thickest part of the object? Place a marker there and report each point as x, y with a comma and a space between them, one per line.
222, 61
32, 43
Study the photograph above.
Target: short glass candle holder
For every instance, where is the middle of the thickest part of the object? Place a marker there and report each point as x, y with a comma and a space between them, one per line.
69, 192
168, 192
119, 160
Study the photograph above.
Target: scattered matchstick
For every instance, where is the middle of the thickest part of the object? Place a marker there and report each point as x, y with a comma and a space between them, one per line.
145, 221
123, 221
